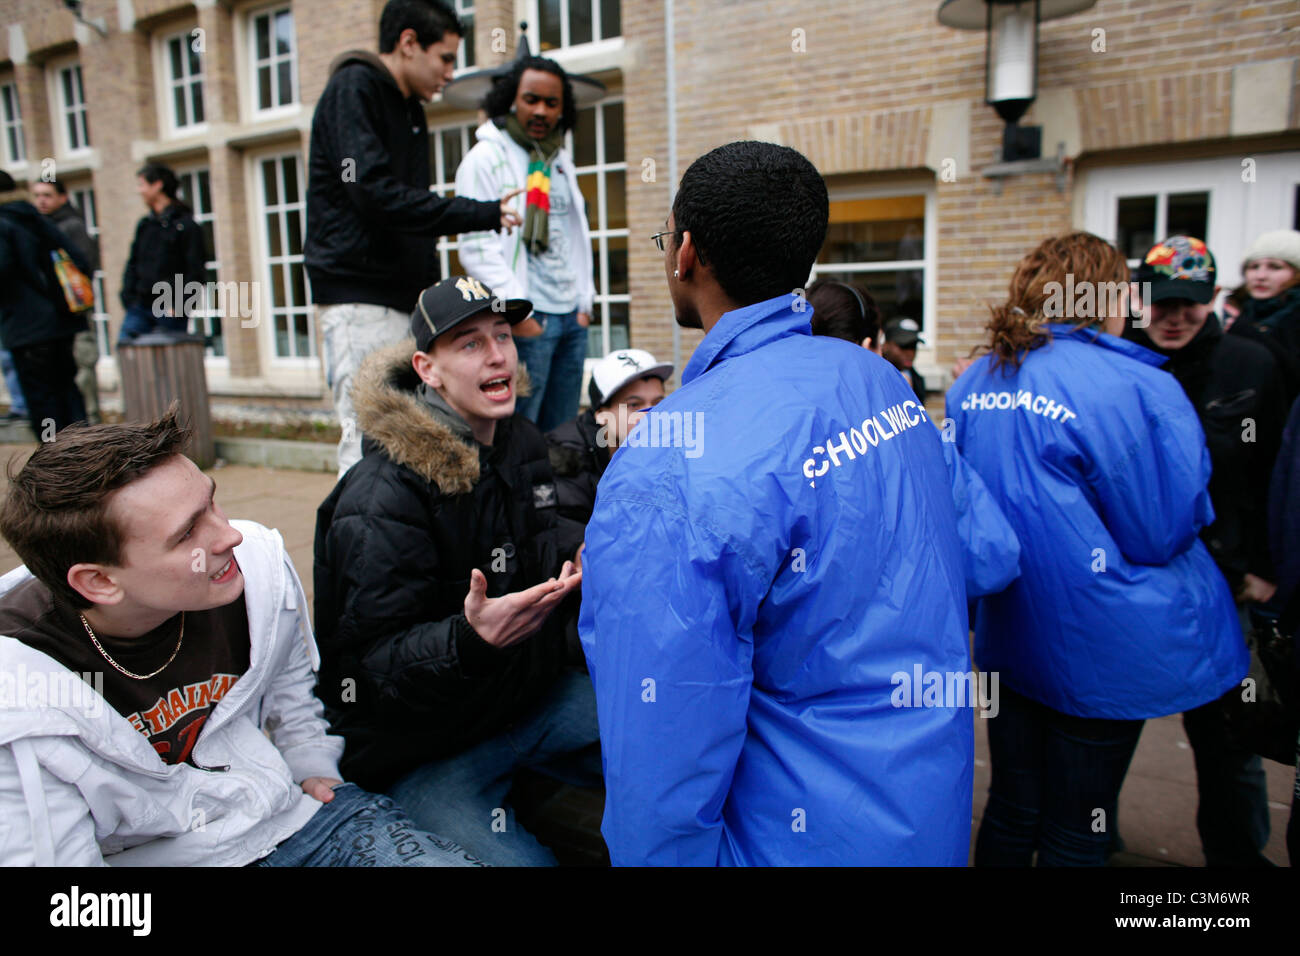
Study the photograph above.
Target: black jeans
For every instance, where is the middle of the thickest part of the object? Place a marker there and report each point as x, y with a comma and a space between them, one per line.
47, 373
1232, 811
1055, 785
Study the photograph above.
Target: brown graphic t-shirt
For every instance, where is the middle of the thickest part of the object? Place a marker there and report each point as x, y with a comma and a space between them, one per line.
169, 708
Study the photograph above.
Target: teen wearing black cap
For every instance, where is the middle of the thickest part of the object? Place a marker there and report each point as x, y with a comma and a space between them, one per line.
1237, 389
441, 578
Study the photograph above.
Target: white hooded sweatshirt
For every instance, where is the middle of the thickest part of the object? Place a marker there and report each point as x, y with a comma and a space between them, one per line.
79, 786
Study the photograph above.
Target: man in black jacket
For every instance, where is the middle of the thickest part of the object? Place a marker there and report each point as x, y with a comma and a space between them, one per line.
441, 584
35, 322
624, 386
372, 223
51, 198
1239, 394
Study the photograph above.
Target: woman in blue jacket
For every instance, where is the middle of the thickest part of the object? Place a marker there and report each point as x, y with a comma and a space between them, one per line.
1119, 614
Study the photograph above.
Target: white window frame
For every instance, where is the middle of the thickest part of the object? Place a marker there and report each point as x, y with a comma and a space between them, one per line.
83, 197
600, 234
1238, 211
534, 18
311, 361
928, 263
61, 108
465, 11
448, 244
251, 63
11, 124
167, 85
212, 265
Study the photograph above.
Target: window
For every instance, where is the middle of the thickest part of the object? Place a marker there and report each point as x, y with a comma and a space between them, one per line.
196, 192
597, 147
275, 59
84, 200
283, 211
184, 81
447, 147
563, 23
72, 99
1227, 202
465, 53
880, 243
15, 144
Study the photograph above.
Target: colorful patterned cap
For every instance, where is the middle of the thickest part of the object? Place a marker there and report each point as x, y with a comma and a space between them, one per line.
1180, 267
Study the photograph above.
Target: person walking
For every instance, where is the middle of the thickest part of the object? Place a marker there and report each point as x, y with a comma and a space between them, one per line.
36, 324
168, 251
51, 198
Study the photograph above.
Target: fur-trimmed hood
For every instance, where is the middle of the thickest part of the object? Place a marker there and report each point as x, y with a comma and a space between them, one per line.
392, 414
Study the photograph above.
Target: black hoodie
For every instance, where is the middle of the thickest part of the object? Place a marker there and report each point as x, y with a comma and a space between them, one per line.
32, 307
372, 223
1240, 398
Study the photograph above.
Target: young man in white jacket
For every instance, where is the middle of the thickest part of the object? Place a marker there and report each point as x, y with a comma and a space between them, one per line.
156, 674
548, 260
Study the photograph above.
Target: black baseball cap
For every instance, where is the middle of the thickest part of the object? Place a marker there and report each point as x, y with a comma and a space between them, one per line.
453, 300
904, 333
1180, 267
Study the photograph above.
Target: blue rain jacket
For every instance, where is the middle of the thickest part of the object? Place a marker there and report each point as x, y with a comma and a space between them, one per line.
990, 549
1099, 462
762, 601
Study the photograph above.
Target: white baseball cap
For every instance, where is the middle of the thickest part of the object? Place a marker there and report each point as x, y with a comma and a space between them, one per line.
618, 368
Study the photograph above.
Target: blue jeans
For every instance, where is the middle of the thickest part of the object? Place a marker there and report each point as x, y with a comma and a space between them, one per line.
1052, 772
358, 828
17, 404
140, 320
464, 797
554, 361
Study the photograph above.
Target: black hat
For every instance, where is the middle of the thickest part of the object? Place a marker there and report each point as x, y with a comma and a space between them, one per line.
904, 333
452, 301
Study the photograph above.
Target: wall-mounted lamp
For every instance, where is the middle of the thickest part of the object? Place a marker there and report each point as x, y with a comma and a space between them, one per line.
1011, 59
98, 24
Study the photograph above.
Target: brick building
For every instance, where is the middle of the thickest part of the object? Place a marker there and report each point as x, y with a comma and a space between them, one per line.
1167, 115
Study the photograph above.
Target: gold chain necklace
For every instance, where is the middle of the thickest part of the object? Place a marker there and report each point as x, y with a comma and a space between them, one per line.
99, 647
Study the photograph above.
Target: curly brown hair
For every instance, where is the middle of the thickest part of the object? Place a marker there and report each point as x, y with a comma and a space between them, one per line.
56, 513
1018, 326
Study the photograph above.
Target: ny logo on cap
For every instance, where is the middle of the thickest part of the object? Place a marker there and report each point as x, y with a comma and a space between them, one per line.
471, 289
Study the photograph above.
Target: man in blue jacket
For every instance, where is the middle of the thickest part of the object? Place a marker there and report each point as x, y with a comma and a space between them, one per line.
788, 523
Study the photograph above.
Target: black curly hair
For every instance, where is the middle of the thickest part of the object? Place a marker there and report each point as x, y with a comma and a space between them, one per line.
757, 214
501, 97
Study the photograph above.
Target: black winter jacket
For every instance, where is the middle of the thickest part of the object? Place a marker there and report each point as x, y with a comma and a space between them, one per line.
32, 307
372, 223
404, 678
1275, 324
578, 460
166, 244
1240, 397
73, 226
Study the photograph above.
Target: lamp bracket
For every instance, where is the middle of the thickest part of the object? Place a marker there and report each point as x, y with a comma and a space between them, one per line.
1021, 167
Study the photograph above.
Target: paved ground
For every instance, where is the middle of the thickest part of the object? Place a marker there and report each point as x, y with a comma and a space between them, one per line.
1157, 806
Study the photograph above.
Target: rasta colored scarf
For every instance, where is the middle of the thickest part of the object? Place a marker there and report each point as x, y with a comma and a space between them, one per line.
541, 154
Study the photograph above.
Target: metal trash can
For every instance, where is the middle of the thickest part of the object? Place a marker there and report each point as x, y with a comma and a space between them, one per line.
159, 368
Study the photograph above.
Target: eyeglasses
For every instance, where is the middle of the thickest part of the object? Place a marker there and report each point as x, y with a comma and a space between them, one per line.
658, 239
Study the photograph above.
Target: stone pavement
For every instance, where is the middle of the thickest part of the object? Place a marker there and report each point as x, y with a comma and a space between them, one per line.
1157, 805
